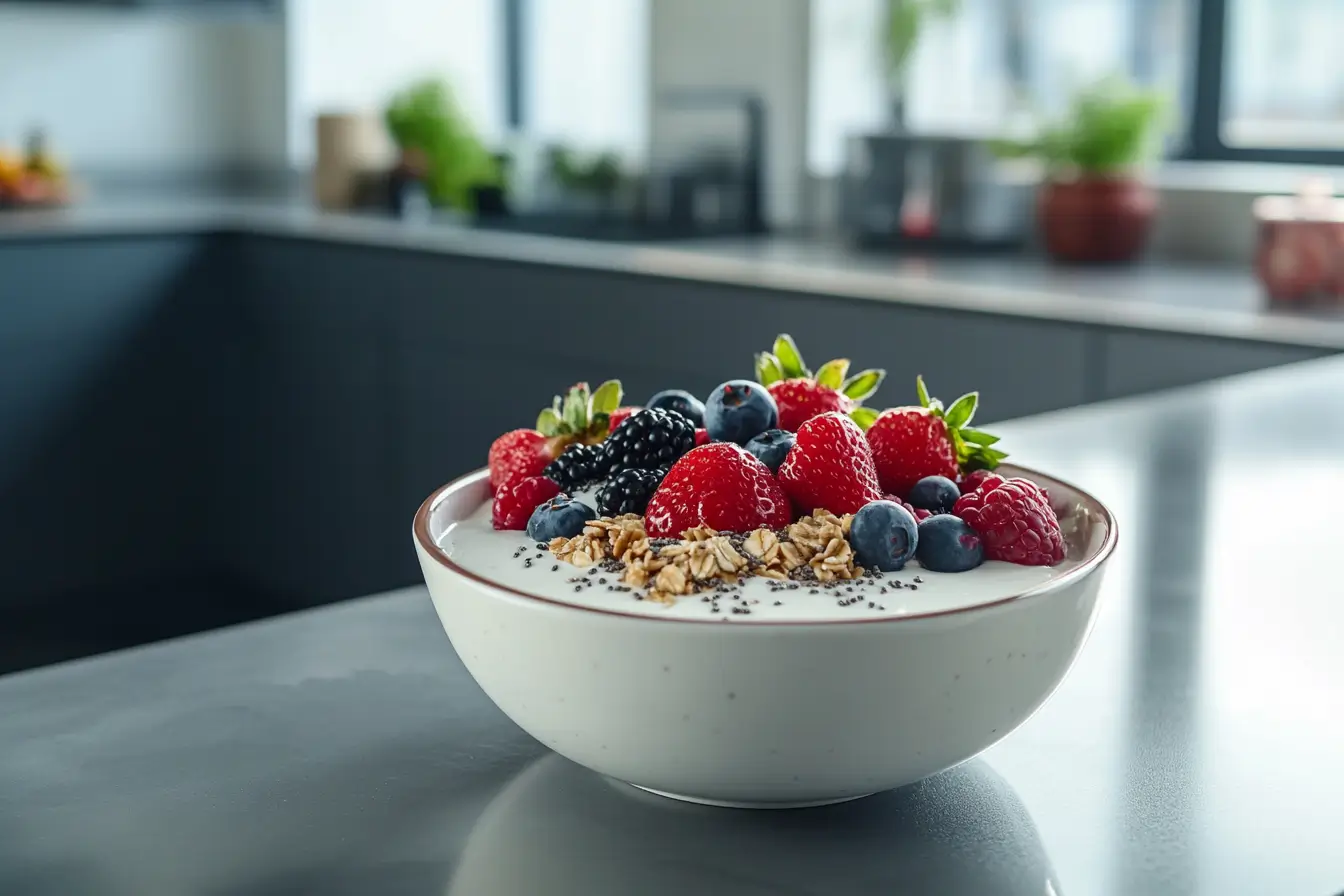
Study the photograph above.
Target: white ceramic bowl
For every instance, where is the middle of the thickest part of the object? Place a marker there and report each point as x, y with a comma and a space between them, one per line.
766, 714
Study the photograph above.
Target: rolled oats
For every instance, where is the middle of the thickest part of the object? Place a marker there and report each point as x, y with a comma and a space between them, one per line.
704, 557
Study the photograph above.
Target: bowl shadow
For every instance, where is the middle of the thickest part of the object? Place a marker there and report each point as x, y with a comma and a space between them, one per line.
560, 829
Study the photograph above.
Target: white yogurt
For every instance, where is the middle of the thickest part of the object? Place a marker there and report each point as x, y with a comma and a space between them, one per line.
476, 546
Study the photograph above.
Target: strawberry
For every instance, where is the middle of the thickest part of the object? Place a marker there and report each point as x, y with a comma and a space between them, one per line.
830, 467
514, 504
701, 436
618, 416
1015, 521
516, 455
720, 485
910, 443
579, 417
801, 396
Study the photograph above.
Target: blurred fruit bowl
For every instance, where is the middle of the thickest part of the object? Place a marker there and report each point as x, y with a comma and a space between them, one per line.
33, 190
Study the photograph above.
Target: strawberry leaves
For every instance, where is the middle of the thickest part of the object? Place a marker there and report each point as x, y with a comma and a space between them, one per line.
971, 445
863, 384
789, 358
785, 362
581, 415
863, 416
832, 373
768, 369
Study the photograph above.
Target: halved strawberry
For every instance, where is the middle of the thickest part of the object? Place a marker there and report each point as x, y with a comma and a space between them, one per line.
580, 416
801, 396
910, 443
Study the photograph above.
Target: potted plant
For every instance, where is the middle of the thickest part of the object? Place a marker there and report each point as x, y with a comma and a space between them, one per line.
438, 144
1093, 206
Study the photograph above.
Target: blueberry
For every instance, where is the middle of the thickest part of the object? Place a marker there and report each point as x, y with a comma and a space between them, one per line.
682, 402
884, 535
948, 544
936, 494
772, 446
739, 410
560, 517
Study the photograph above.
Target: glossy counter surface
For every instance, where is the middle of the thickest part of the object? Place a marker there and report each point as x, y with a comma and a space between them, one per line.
1168, 298
1196, 748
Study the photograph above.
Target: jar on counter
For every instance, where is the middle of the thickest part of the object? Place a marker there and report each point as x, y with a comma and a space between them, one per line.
1300, 258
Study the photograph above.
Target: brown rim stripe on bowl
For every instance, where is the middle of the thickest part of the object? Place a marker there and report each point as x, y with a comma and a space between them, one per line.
1089, 503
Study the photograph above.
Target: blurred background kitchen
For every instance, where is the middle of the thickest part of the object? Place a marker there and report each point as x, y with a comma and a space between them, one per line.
260, 253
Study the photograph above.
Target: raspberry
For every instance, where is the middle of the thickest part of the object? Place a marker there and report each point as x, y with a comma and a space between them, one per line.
1015, 520
830, 466
919, 513
972, 480
701, 436
720, 485
514, 505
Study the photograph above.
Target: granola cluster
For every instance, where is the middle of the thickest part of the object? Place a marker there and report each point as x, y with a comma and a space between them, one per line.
816, 548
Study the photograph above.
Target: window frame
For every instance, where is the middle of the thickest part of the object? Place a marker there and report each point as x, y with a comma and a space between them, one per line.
1204, 140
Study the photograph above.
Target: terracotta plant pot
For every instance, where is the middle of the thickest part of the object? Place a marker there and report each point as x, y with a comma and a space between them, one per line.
1096, 219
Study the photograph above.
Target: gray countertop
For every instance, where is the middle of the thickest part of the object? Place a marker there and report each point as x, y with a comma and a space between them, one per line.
1163, 297
1197, 747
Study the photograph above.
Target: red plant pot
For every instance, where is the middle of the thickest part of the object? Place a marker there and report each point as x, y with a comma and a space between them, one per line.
1095, 219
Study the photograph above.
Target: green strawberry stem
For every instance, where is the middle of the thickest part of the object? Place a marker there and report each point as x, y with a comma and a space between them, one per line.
581, 415
785, 362
972, 446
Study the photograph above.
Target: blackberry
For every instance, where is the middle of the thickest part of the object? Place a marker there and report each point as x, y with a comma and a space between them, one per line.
577, 466
649, 439
628, 491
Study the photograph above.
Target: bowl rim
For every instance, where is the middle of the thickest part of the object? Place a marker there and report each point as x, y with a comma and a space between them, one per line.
420, 527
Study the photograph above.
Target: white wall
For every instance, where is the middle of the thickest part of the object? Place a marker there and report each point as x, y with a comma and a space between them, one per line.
352, 55
759, 45
123, 90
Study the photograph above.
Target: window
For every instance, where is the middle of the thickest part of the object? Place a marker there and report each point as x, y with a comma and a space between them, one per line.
585, 74
1284, 82
352, 55
995, 63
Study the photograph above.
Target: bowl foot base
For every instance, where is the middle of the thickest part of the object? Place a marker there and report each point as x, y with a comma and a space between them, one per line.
729, 804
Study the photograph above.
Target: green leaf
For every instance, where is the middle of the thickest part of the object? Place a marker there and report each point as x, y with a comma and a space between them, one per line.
832, 373
548, 422
863, 384
922, 391
978, 437
575, 412
864, 417
599, 425
984, 459
606, 399
768, 369
790, 361
961, 410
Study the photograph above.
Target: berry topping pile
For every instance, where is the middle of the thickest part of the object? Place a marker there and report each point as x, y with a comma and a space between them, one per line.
787, 477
